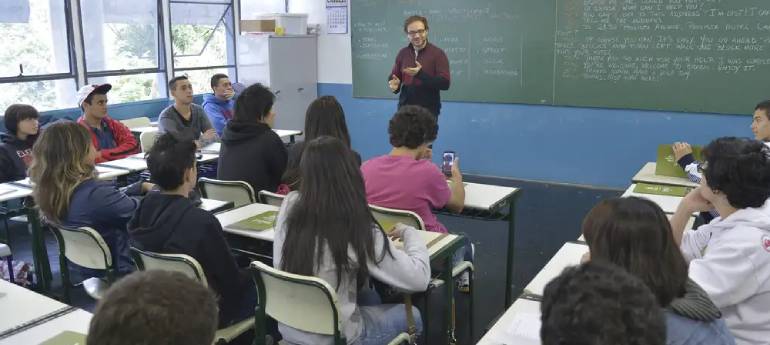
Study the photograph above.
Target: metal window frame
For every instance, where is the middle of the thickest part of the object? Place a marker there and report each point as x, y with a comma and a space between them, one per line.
234, 8
79, 73
160, 69
73, 68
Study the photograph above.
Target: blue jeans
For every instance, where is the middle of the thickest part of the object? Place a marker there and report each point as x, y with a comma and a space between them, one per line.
382, 322
464, 253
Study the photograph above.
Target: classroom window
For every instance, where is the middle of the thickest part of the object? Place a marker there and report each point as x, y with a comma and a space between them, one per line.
43, 95
34, 36
133, 87
35, 60
201, 78
203, 40
121, 42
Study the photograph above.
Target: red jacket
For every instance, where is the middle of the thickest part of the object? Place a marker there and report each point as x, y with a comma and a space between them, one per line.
125, 143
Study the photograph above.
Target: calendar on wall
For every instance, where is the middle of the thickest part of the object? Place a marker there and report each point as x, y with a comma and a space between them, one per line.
337, 16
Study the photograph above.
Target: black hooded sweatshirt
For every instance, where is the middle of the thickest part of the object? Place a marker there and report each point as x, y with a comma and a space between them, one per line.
15, 157
171, 224
252, 152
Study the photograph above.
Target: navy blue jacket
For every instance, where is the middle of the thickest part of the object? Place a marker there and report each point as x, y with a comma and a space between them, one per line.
252, 152
173, 224
15, 156
102, 207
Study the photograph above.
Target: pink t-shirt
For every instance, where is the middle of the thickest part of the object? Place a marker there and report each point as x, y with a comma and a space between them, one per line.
404, 183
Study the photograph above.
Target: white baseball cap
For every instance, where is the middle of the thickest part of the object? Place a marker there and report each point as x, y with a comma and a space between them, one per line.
87, 90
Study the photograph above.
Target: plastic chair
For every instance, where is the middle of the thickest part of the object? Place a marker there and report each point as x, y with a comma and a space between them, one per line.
137, 122
84, 247
5, 253
271, 198
147, 139
388, 217
239, 192
187, 265
306, 303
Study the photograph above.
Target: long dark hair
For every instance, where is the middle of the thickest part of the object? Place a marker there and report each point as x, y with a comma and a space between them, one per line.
635, 234
325, 117
253, 104
331, 211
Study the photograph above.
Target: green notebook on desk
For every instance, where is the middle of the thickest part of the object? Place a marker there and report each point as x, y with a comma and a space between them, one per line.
66, 338
260, 222
659, 189
666, 162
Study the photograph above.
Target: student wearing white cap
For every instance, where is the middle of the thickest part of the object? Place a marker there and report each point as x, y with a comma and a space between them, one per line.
112, 139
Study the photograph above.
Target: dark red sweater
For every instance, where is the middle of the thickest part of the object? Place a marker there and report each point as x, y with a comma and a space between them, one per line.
424, 88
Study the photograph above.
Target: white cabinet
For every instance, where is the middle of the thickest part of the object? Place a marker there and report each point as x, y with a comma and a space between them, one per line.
288, 65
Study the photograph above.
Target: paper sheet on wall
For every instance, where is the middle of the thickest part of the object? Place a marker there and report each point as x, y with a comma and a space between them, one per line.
337, 16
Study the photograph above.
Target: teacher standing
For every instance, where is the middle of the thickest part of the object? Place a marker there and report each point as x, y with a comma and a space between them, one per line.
421, 70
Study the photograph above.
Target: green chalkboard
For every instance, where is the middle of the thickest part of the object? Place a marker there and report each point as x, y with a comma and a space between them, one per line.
681, 55
488, 43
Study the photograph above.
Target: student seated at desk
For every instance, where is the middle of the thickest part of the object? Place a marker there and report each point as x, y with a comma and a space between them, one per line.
16, 145
730, 257
422, 186
327, 230
111, 138
760, 126
185, 120
168, 222
599, 303
219, 105
155, 307
251, 151
635, 234
67, 192
324, 116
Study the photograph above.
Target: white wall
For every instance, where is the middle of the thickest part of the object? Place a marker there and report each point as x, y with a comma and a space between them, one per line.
334, 56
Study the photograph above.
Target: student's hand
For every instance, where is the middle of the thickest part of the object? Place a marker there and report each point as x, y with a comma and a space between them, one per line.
198, 145
457, 176
394, 83
398, 230
229, 94
681, 149
209, 134
412, 71
146, 187
585, 258
695, 202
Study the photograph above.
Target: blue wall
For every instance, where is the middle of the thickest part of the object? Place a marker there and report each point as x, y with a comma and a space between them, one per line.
120, 111
590, 146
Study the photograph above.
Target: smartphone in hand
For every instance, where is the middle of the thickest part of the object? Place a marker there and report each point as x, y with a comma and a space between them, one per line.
447, 160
